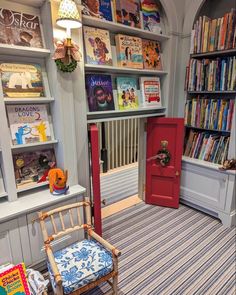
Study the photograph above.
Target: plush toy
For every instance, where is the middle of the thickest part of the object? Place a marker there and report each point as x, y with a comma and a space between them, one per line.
57, 181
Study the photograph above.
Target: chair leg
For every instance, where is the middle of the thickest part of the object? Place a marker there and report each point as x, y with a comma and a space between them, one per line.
115, 285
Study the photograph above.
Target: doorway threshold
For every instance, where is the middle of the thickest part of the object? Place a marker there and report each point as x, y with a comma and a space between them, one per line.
121, 205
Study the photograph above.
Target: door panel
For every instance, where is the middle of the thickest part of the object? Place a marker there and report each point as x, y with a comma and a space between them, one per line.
163, 183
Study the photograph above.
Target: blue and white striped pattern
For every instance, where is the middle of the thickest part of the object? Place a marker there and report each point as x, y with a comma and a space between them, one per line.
168, 252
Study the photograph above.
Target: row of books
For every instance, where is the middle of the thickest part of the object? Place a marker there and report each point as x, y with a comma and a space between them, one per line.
100, 92
208, 147
211, 75
134, 13
132, 52
209, 113
214, 34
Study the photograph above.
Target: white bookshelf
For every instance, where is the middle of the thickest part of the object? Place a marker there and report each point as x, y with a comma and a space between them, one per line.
15, 50
34, 144
28, 100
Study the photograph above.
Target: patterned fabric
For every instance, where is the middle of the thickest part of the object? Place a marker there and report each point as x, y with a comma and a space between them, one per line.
81, 263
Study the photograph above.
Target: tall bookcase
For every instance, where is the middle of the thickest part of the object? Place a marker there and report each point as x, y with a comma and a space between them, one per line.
203, 185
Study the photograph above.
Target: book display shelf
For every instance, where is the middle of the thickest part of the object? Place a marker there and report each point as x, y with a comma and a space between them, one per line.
116, 70
210, 111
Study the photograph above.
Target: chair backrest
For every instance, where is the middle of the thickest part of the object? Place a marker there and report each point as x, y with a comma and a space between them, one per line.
74, 222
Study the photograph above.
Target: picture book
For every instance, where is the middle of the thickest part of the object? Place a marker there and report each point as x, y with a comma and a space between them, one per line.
99, 92
32, 166
150, 91
17, 28
127, 93
97, 46
28, 123
129, 51
152, 55
128, 12
98, 8
21, 80
13, 281
151, 16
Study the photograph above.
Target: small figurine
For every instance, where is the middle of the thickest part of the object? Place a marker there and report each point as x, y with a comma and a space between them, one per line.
57, 181
229, 165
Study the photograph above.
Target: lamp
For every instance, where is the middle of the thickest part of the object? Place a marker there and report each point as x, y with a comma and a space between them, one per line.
68, 16
67, 53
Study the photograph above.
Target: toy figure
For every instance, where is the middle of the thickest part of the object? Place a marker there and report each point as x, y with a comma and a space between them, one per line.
57, 181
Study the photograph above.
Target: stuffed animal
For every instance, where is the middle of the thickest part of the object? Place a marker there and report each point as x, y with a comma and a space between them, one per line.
57, 181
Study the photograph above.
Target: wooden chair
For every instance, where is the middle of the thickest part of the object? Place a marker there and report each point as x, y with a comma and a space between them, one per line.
82, 265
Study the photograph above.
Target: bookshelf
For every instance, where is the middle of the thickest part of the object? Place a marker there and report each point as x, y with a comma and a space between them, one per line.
205, 186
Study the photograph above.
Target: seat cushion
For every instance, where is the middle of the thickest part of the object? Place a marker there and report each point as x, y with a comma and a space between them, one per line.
81, 263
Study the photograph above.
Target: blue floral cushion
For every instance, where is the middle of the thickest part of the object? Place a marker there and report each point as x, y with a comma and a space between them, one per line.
81, 263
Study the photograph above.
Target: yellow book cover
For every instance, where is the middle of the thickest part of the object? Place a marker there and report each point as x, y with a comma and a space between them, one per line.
13, 281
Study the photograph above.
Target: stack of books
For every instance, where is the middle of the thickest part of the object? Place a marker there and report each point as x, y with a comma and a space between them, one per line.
209, 113
214, 34
212, 75
205, 146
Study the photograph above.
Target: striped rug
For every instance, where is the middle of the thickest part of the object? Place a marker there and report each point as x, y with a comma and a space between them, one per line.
168, 251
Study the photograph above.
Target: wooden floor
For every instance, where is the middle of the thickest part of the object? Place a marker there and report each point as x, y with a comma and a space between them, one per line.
121, 205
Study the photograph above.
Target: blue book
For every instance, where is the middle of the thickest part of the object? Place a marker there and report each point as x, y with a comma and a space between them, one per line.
217, 114
225, 116
105, 9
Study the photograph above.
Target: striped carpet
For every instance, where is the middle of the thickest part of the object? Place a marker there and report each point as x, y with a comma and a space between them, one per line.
168, 251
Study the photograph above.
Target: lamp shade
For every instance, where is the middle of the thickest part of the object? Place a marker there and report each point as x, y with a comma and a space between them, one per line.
68, 15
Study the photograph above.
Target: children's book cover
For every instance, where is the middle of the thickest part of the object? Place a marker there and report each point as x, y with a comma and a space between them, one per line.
21, 80
152, 55
13, 281
28, 123
17, 28
151, 91
128, 12
33, 167
129, 51
127, 93
98, 8
97, 46
151, 16
99, 92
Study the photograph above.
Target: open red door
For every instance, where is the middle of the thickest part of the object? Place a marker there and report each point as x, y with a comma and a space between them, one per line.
163, 180
95, 171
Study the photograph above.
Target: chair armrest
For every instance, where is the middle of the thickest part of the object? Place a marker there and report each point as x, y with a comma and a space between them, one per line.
53, 264
107, 245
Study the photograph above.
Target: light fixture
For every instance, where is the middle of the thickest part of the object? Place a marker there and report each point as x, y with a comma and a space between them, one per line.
68, 16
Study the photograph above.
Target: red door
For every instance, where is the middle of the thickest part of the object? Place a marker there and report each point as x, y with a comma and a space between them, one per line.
95, 171
163, 182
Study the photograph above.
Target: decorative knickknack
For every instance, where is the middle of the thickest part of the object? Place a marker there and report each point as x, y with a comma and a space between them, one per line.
67, 53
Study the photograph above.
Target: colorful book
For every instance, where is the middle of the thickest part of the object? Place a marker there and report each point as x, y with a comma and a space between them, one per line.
99, 9
150, 91
151, 16
128, 12
127, 93
22, 29
21, 80
14, 281
32, 167
152, 55
28, 123
99, 92
97, 46
129, 51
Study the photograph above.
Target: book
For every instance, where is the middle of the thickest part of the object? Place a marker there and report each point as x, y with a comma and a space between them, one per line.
28, 123
127, 93
151, 16
150, 91
99, 92
152, 55
14, 281
21, 80
97, 46
32, 167
127, 12
98, 8
129, 51
18, 28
